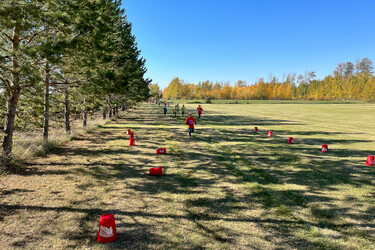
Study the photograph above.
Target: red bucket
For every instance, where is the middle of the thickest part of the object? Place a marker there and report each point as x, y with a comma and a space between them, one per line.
131, 142
161, 151
107, 228
290, 140
324, 148
156, 171
255, 129
128, 131
270, 134
370, 160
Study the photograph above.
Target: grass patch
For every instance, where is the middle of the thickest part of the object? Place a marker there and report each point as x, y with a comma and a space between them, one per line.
226, 187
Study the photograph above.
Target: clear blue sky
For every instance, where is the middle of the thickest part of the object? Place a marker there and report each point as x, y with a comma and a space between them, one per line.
224, 40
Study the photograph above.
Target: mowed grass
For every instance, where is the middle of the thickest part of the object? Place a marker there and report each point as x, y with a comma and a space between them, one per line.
225, 188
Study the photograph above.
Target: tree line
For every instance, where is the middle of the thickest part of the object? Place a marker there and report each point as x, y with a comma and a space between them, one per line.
66, 59
349, 81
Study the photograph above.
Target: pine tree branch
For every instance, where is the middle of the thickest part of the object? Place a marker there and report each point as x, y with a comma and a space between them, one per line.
36, 34
8, 36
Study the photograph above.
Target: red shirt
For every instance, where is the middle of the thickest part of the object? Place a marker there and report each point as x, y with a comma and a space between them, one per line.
199, 110
190, 121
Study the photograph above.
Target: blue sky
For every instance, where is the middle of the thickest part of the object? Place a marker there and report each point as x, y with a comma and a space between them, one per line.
224, 40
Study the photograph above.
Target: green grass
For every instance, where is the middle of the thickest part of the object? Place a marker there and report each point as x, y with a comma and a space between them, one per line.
225, 188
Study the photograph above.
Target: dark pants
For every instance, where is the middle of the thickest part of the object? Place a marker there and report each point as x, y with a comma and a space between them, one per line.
191, 130
199, 116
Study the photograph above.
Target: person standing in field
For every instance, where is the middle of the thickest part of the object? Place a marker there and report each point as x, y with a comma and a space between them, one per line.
183, 109
165, 110
190, 121
200, 110
175, 110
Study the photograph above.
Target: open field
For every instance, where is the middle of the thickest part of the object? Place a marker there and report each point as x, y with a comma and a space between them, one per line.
225, 188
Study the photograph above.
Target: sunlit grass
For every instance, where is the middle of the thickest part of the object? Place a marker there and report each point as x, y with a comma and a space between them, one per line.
226, 187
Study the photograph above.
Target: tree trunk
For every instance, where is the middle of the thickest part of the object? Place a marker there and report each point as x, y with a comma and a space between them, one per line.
67, 111
84, 114
117, 109
110, 113
104, 114
84, 122
46, 102
9, 122
12, 100
114, 111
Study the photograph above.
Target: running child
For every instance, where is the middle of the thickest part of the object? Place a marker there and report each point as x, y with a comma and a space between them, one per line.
200, 110
190, 121
165, 110
183, 109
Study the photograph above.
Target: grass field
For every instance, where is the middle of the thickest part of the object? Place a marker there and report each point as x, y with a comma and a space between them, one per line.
225, 188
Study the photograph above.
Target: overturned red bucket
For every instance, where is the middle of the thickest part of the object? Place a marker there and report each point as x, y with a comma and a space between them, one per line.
107, 228
131, 142
290, 140
156, 171
255, 129
324, 148
270, 134
161, 151
370, 160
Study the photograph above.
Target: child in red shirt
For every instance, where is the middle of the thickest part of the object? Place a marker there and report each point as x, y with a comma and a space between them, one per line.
200, 110
190, 121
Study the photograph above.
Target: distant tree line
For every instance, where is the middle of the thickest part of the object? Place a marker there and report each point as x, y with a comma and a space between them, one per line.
66, 59
348, 81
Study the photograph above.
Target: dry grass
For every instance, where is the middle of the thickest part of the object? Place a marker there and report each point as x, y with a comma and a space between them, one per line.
28, 144
224, 188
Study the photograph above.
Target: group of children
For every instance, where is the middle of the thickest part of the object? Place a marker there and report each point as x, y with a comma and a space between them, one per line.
190, 121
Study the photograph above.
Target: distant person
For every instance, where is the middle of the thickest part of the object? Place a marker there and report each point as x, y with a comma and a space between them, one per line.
165, 110
178, 107
200, 110
175, 110
190, 121
165, 104
183, 109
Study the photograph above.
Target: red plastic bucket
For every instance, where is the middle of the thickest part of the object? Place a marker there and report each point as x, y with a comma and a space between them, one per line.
325, 148
131, 142
270, 134
255, 129
290, 140
161, 151
156, 171
107, 228
370, 160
